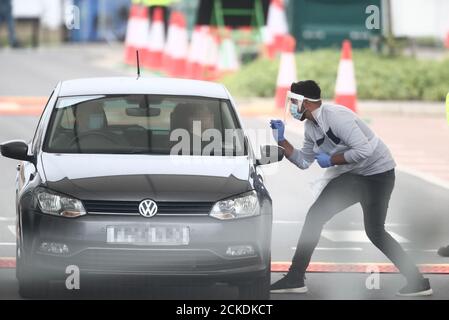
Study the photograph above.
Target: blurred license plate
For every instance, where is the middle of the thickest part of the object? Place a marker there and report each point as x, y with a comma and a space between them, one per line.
148, 235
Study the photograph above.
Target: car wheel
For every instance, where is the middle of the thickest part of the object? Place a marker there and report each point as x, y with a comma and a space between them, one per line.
259, 289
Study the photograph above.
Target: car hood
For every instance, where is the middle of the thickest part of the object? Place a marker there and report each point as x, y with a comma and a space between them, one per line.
137, 177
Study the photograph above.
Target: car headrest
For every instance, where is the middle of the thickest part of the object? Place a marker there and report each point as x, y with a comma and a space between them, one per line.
90, 115
181, 117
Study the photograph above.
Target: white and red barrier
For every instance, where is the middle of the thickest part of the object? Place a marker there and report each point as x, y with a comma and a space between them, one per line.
137, 33
156, 42
276, 29
287, 70
346, 88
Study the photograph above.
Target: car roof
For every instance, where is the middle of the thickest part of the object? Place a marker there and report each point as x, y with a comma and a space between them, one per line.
128, 85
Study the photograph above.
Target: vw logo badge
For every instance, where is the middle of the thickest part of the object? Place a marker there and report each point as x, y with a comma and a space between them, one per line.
148, 208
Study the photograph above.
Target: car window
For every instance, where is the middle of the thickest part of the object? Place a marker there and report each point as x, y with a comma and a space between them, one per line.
116, 113
144, 124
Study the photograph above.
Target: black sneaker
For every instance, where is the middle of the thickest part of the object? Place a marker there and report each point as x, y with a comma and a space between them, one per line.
290, 283
418, 289
444, 251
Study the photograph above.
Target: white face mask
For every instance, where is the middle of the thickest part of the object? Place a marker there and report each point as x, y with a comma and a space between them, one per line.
297, 111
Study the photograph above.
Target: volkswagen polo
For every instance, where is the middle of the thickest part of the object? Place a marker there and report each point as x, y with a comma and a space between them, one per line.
147, 177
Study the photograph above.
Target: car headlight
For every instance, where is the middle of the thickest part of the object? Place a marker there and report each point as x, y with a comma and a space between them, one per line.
57, 204
242, 206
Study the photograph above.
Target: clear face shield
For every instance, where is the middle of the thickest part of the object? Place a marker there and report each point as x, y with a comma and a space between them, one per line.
294, 105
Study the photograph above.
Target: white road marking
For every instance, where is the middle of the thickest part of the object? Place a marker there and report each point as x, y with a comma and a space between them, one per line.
339, 249
12, 229
287, 222
389, 225
7, 243
335, 249
423, 250
7, 219
355, 236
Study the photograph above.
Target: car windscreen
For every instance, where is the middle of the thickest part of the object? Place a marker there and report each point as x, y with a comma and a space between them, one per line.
144, 124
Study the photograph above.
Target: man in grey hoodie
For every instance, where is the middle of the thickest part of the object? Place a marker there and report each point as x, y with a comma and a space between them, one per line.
360, 169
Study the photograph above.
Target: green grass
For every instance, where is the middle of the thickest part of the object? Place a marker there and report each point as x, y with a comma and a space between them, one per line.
378, 77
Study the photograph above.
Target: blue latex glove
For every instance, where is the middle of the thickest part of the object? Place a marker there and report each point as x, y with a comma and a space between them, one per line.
278, 130
324, 160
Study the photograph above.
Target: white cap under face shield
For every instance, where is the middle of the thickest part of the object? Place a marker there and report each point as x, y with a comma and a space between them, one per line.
294, 104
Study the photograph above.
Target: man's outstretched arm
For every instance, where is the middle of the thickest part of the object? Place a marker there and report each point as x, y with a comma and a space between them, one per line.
287, 147
303, 157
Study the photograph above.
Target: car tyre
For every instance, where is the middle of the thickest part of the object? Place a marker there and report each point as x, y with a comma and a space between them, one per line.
259, 289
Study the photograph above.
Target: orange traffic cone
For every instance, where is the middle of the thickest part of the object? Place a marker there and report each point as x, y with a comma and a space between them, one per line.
193, 68
287, 70
137, 33
180, 52
170, 44
228, 59
211, 54
345, 88
268, 43
276, 28
156, 41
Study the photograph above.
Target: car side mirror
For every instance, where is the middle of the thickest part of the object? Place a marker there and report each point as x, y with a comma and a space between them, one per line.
16, 149
270, 154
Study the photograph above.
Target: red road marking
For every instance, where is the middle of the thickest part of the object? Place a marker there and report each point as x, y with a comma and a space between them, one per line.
10, 263
7, 263
22, 105
22, 111
359, 267
24, 100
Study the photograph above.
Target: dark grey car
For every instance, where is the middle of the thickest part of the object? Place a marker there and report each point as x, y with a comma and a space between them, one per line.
106, 186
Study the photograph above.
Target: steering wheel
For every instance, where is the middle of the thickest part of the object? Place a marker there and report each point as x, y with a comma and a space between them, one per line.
110, 138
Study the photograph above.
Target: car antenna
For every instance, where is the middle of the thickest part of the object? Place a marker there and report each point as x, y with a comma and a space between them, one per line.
138, 64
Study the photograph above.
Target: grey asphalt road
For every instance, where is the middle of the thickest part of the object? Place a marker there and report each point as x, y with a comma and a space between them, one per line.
322, 286
35, 72
418, 216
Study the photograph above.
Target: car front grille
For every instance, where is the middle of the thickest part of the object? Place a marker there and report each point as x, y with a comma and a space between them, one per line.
149, 260
132, 207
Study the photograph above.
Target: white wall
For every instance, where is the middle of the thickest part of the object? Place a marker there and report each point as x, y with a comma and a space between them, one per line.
420, 18
27, 8
50, 12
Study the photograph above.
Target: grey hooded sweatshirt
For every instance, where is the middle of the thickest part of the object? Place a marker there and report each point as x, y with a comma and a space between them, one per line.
339, 130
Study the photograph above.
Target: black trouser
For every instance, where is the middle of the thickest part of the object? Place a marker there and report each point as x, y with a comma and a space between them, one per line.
373, 193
